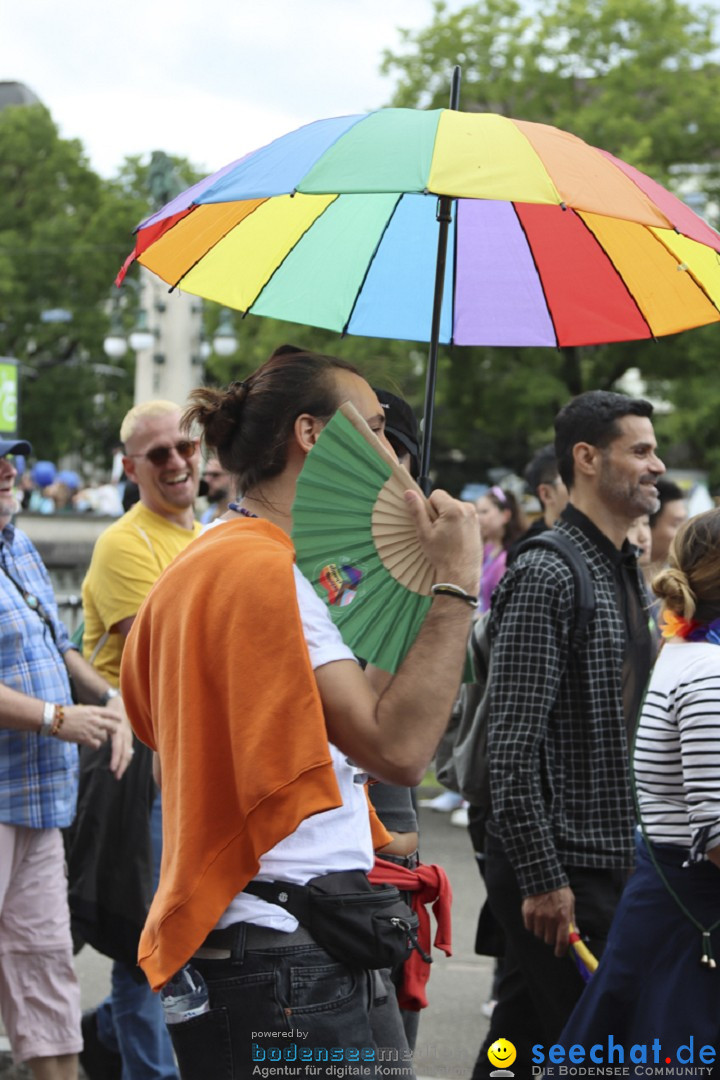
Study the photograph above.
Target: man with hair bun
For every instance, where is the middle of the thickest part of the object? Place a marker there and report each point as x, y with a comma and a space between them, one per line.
127, 1031
267, 729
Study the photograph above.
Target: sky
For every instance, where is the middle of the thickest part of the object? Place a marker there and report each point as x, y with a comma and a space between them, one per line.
206, 79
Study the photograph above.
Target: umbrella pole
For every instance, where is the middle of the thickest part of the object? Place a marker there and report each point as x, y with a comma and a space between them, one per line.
444, 218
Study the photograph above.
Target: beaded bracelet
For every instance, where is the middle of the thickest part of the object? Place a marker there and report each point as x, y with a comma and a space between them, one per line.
59, 720
446, 588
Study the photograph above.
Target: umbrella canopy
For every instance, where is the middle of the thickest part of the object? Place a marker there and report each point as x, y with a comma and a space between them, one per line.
551, 241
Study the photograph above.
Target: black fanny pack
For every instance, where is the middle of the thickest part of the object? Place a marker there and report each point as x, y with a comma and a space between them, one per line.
361, 924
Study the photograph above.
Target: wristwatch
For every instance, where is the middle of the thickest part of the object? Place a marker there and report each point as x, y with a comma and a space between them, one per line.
109, 694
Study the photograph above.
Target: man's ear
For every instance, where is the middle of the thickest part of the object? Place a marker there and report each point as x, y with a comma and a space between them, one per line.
306, 430
586, 458
129, 468
544, 494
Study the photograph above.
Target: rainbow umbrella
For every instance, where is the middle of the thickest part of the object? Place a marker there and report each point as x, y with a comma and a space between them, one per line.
342, 224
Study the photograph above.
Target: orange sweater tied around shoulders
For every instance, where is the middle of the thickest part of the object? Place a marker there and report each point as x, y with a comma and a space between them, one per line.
217, 679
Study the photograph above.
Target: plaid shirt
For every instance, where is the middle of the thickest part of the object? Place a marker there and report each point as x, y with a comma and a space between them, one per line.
38, 775
559, 718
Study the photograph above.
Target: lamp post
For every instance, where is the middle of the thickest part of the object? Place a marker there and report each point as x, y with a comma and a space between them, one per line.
115, 344
225, 342
166, 340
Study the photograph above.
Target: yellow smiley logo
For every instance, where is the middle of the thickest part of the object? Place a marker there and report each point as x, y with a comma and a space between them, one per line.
502, 1053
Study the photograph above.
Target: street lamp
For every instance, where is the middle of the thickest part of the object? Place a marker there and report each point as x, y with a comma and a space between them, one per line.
115, 345
141, 336
167, 338
225, 342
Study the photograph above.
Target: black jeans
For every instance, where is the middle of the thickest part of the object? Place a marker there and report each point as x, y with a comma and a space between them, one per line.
293, 1006
538, 990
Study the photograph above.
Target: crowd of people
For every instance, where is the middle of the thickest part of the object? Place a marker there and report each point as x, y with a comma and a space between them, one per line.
218, 820
43, 488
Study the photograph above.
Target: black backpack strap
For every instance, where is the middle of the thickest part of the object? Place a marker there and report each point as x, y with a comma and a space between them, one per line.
561, 544
480, 646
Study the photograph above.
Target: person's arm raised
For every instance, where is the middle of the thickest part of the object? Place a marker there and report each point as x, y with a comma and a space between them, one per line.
393, 734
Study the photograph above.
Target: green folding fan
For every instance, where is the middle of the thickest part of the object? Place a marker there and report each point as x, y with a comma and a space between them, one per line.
356, 542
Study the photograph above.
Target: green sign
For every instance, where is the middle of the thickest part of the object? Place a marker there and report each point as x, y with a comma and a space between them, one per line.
8, 396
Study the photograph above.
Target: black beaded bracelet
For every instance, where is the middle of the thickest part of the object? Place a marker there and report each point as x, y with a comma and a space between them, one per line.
446, 588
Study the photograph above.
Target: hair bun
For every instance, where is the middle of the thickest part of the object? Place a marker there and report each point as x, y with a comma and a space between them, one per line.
218, 414
673, 588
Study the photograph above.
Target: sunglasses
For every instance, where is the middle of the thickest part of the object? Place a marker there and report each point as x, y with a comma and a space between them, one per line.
160, 455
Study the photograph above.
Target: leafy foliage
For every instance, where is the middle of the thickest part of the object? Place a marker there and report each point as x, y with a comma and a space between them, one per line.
636, 77
64, 232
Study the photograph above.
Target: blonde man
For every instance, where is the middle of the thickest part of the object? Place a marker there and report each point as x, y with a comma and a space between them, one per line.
127, 1032
132, 552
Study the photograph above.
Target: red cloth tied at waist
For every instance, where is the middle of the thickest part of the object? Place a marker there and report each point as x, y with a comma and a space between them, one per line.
428, 885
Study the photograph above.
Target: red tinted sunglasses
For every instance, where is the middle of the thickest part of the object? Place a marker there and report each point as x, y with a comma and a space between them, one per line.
160, 455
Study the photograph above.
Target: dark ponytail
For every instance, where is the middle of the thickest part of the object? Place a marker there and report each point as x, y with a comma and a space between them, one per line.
249, 423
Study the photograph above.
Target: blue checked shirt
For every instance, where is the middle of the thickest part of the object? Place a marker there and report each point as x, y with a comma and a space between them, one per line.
38, 775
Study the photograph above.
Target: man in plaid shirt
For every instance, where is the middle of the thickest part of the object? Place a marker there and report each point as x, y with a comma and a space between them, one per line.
560, 839
39, 730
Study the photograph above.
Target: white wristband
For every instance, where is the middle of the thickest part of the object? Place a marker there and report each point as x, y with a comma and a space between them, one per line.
447, 588
48, 718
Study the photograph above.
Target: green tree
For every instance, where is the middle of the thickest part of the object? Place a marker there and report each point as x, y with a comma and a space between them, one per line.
636, 77
63, 234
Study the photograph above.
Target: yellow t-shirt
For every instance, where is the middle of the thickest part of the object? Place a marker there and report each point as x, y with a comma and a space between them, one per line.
127, 561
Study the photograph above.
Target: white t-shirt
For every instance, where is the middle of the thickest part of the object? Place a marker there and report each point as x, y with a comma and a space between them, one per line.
334, 840
677, 751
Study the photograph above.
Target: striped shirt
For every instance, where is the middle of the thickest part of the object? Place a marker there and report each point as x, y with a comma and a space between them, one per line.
38, 775
677, 752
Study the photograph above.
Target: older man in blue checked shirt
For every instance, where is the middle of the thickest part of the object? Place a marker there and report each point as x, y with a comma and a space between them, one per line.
40, 728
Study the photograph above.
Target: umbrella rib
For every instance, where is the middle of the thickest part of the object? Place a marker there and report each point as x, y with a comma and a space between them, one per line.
456, 217
287, 254
539, 275
622, 279
370, 262
215, 243
686, 269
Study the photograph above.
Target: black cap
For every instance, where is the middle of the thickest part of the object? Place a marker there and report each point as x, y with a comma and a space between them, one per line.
401, 425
